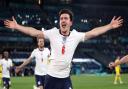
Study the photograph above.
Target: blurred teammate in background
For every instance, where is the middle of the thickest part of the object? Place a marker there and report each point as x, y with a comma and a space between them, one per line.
41, 55
6, 63
63, 43
117, 71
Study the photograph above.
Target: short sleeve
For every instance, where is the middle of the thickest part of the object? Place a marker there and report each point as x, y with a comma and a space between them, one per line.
48, 51
32, 54
81, 36
11, 64
49, 33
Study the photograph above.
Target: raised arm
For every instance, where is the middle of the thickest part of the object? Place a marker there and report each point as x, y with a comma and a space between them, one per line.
115, 23
122, 61
27, 30
19, 68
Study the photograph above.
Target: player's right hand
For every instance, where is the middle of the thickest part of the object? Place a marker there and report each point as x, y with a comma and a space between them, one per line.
10, 23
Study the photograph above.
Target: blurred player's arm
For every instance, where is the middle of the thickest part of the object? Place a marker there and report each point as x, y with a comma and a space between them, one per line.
12, 24
121, 61
115, 23
19, 68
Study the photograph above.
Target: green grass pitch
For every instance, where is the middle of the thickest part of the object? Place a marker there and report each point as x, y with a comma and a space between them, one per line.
79, 82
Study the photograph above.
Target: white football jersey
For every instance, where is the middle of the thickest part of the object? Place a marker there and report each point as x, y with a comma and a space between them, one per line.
6, 64
41, 58
62, 50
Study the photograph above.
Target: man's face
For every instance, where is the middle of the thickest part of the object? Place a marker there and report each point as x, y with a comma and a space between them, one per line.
65, 22
41, 42
6, 54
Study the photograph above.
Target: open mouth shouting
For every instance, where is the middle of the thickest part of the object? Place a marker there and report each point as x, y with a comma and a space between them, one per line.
63, 25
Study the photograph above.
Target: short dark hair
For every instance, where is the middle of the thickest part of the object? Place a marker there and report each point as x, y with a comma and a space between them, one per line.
67, 11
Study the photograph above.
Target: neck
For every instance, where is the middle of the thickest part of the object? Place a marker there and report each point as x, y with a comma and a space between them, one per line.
41, 48
6, 58
65, 33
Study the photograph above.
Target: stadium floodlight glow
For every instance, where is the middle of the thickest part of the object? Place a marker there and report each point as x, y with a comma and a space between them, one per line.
19, 16
85, 21
43, 29
82, 20
56, 21
24, 22
39, 2
100, 20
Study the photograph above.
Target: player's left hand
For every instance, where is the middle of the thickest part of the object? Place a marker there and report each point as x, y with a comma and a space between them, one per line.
111, 65
116, 22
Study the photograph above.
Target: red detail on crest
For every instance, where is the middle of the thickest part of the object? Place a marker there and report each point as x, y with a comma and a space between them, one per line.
63, 49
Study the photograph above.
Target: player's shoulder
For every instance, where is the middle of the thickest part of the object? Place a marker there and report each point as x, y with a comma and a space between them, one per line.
46, 49
3, 59
10, 60
74, 31
34, 50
